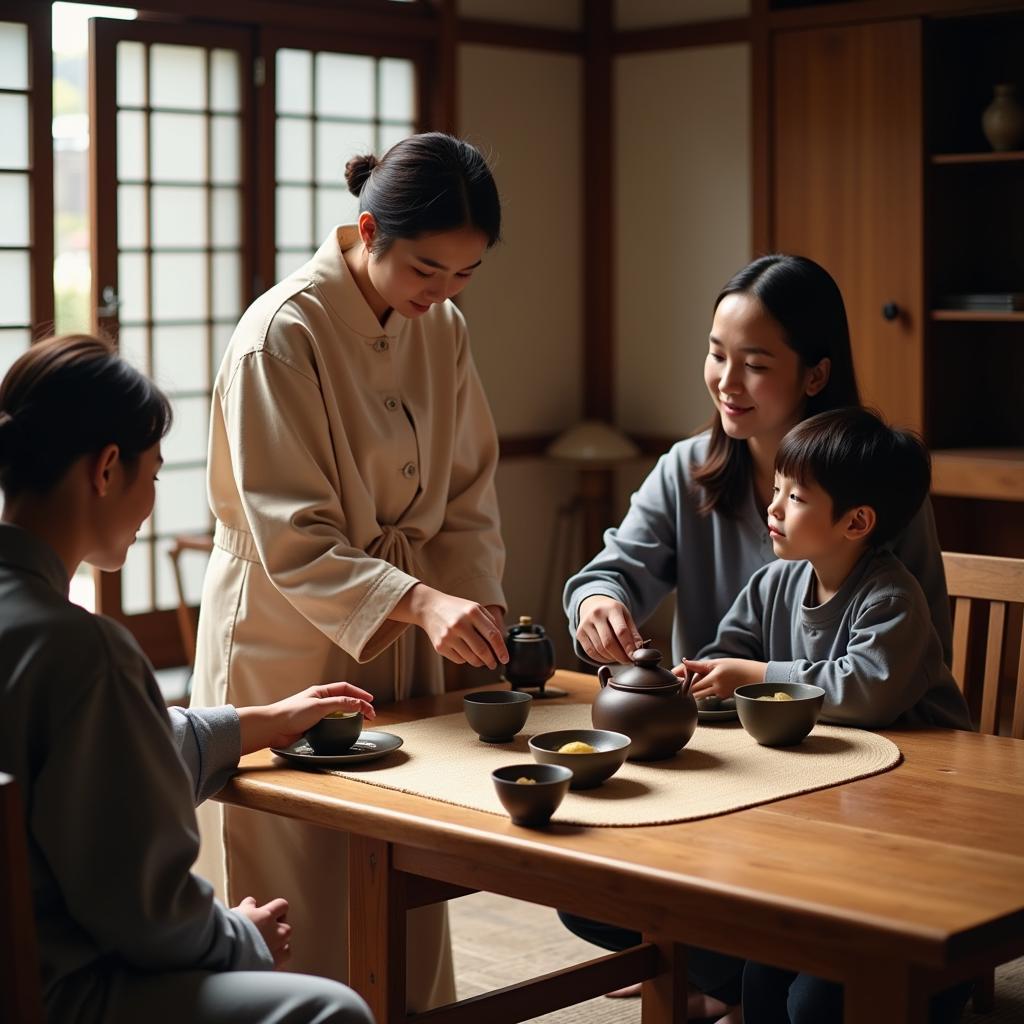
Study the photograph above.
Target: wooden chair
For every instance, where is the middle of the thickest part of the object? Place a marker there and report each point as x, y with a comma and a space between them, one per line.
186, 620
21, 993
997, 583
974, 580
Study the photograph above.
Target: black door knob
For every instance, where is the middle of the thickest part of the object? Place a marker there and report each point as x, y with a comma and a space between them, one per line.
890, 311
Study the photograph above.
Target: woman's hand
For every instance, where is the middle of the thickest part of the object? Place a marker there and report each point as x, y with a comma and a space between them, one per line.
462, 631
271, 924
282, 723
607, 631
719, 677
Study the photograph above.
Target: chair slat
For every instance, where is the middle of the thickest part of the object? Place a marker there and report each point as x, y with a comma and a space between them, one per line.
993, 664
1018, 707
961, 629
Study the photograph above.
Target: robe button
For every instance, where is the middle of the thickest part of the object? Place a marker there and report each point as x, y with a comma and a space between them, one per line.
381, 345
391, 404
409, 470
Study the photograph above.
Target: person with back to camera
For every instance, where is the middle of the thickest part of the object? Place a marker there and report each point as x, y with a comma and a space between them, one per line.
351, 474
842, 613
109, 777
778, 352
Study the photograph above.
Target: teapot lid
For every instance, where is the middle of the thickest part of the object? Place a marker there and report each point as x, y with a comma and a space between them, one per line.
527, 629
646, 672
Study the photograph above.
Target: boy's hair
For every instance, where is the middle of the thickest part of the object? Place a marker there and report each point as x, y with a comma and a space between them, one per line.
858, 460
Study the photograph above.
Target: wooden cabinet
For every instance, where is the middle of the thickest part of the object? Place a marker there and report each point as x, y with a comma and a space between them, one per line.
846, 183
880, 171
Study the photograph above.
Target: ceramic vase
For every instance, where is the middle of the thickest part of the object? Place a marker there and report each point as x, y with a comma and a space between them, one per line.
1003, 119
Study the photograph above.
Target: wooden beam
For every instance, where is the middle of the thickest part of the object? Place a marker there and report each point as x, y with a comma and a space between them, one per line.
884, 10
41, 167
443, 87
523, 37
678, 37
567, 987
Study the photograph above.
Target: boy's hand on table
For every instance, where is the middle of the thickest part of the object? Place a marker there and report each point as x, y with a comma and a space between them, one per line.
282, 723
719, 677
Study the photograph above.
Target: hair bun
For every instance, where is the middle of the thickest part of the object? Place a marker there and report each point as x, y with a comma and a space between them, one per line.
357, 170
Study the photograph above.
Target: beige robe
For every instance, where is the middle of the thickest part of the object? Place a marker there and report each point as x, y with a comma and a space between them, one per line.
347, 462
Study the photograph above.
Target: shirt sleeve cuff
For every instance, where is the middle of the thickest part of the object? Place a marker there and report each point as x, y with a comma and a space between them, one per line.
779, 672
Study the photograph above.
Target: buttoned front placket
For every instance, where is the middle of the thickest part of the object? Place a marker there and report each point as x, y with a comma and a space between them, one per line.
400, 429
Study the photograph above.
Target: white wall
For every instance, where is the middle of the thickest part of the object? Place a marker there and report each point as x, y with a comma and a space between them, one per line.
524, 307
683, 223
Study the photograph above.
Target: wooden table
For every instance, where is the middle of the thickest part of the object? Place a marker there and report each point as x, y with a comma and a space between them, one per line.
893, 885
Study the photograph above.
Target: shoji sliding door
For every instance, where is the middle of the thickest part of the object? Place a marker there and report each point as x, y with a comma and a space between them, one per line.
26, 179
173, 259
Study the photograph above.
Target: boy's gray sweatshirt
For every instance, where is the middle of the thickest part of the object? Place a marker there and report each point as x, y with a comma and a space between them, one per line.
872, 648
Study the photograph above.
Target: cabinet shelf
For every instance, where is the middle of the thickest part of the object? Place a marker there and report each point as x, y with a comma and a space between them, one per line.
1007, 157
978, 316
993, 473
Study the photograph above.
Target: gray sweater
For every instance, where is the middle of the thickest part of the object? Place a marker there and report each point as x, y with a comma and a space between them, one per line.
664, 544
872, 647
109, 781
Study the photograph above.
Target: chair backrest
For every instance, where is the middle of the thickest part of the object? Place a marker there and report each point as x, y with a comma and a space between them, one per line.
997, 582
21, 995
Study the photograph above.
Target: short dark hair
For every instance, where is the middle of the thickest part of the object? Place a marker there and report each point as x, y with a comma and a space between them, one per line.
426, 183
71, 396
805, 301
857, 459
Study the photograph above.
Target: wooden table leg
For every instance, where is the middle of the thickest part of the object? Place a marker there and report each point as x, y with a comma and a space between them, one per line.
664, 996
376, 930
886, 993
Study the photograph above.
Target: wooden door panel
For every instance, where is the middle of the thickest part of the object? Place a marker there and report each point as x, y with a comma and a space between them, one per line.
847, 178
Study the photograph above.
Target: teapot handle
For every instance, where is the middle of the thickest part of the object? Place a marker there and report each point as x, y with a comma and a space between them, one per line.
688, 680
604, 673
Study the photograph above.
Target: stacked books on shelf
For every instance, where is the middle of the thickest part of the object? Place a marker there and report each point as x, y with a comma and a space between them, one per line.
988, 302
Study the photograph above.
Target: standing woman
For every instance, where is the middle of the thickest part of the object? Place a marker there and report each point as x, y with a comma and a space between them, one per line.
351, 474
778, 352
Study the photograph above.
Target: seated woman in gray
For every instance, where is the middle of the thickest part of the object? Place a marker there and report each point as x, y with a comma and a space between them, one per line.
110, 779
778, 352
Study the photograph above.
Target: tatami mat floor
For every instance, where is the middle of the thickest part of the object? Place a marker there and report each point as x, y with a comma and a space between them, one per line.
498, 941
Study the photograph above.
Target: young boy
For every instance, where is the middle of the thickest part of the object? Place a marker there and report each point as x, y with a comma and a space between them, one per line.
837, 609
841, 612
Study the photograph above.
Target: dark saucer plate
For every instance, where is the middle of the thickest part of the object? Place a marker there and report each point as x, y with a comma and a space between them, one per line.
368, 747
725, 713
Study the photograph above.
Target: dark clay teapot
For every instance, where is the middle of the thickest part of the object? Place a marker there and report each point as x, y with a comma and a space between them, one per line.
649, 704
531, 655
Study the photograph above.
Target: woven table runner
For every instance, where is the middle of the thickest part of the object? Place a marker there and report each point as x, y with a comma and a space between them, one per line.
721, 769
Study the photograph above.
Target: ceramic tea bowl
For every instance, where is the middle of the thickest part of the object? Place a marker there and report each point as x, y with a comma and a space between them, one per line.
779, 723
336, 733
588, 770
531, 803
496, 715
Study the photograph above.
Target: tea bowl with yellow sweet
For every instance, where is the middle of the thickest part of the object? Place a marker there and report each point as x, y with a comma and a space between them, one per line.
531, 793
592, 755
336, 733
779, 714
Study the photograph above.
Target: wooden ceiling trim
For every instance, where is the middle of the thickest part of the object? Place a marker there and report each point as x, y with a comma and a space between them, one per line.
677, 37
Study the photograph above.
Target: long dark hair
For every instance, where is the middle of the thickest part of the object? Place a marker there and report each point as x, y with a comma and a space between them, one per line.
808, 306
71, 396
426, 183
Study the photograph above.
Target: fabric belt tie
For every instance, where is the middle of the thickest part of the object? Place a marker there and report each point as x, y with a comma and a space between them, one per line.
235, 542
393, 546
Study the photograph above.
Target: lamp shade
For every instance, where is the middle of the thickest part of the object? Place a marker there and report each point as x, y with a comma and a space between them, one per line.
594, 443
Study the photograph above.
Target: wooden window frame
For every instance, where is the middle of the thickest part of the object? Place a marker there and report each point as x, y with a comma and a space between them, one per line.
38, 18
